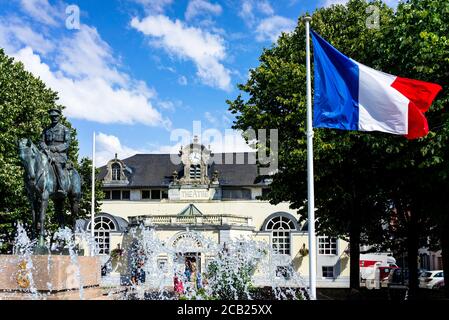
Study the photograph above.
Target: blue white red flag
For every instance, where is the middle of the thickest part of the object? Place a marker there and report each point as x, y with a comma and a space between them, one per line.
351, 96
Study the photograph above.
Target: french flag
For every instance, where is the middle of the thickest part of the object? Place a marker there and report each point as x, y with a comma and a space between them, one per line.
351, 96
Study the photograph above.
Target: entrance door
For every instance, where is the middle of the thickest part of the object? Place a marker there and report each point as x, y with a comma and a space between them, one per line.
192, 261
187, 263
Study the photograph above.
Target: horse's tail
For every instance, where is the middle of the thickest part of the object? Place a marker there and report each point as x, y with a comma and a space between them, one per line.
75, 181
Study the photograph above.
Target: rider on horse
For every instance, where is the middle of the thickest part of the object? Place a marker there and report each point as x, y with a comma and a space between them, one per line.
55, 144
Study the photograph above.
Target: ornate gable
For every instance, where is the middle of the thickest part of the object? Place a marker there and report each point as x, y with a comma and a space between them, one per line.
116, 173
195, 158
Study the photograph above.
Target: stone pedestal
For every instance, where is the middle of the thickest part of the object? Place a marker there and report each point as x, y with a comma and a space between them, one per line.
95, 293
48, 273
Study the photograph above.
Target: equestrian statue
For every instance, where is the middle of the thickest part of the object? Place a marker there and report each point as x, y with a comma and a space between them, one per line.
49, 174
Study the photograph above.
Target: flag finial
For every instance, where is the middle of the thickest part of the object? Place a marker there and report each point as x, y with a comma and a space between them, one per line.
306, 19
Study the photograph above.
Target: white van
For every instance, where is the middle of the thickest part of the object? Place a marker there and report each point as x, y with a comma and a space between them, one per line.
375, 269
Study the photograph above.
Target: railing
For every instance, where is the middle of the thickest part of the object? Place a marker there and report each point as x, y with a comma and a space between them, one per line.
161, 220
225, 219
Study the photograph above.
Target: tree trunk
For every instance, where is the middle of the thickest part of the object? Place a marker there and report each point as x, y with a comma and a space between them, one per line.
412, 256
354, 241
354, 252
445, 255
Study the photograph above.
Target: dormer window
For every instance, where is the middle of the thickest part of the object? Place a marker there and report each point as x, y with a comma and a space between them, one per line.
195, 172
116, 172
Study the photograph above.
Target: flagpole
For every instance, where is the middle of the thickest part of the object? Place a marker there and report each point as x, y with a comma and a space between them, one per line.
92, 208
310, 184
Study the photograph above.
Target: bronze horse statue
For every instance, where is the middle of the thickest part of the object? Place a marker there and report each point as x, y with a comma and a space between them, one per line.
41, 185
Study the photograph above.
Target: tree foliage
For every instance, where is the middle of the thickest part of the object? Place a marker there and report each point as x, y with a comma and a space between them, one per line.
359, 177
85, 171
277, 94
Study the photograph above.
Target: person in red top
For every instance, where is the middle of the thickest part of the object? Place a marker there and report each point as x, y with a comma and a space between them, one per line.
178, 286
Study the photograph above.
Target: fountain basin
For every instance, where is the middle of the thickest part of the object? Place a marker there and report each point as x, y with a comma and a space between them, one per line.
48, 273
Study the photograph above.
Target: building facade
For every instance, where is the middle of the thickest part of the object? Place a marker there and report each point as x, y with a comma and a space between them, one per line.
216, 195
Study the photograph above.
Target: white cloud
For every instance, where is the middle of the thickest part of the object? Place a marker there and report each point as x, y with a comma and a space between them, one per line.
182, 81
40, 10
272, 27
232, 141
226, 120
167, 105
201, 7
265, 7
87, 55
212, 119
246, 12
261, 15
250, 8
219, 141
94, 98
108, 145
14, 33
84, 73
219, 119
205, 49
83, 69
328, 3
166, 149
154, 6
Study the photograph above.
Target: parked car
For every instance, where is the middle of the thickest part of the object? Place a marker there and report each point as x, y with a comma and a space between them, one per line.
429, 279
439, 285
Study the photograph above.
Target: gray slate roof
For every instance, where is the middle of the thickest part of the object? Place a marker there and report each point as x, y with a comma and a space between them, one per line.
155, 170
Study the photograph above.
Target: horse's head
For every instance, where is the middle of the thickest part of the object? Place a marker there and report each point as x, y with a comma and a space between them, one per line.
28, 155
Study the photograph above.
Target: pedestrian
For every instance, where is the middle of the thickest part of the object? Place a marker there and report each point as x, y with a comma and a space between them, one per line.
141, 259
199, 283
178, 286
188, 270
194, 275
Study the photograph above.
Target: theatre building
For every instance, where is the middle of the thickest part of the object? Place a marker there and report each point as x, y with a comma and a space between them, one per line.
216, 195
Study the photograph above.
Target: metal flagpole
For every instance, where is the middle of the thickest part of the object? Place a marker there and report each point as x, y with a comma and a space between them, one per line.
310, 184
92, 208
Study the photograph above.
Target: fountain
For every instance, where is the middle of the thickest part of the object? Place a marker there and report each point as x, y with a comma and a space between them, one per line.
53, 275
242, 268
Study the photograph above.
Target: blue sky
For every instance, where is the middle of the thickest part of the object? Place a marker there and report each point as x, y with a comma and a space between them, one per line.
138, 72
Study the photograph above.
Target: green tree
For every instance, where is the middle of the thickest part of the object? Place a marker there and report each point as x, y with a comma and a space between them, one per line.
276, 89
360, 178
85, 170
416, 46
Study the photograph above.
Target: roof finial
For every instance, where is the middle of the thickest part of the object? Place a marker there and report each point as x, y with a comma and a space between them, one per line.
115, 156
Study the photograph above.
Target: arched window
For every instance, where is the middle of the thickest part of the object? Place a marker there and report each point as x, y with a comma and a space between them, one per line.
280, 228
195, 171
115, 171
102, 229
